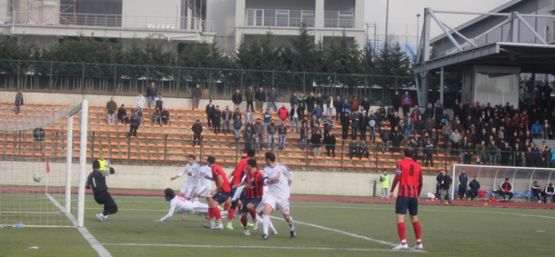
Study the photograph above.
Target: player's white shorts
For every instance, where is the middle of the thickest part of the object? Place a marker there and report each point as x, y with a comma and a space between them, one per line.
277, 203
187, 191
203, 191
237, 193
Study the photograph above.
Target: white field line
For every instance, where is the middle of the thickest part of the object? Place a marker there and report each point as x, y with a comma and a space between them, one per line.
99, 248
308, 248
31, 212
342, 232
162, 211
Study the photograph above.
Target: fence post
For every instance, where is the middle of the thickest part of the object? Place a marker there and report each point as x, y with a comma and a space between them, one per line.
165, 147
115, 79
92, 145
128, 148
273, 78
82, 77
342, 155
50, 80
304, 82
18, 71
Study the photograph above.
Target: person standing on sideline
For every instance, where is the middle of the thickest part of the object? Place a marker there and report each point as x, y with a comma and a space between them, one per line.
384, 184
97, 182
463, 184
195, 94
409, 178
111, 107
474, 188
18, 101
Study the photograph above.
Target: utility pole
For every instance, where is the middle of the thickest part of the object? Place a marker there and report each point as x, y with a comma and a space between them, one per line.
386, 23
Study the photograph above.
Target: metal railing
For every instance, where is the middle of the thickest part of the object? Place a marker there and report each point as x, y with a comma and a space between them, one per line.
339, 19
193, 24
279, 18
175, 81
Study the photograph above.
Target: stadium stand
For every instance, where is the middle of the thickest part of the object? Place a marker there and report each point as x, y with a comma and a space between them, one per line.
169, 144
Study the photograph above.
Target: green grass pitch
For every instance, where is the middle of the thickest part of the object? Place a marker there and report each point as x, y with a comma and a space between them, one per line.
324, 229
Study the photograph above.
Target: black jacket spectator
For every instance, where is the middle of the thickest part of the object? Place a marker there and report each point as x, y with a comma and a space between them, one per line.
329, 142
122, 114
197, 131
210, 109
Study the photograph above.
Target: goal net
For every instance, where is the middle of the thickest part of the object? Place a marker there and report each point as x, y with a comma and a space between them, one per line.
40, 186
491, 177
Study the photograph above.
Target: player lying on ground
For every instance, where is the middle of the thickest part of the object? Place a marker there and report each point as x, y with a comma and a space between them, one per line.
191, 169
97, 182
279, 180
409, 178
179, 204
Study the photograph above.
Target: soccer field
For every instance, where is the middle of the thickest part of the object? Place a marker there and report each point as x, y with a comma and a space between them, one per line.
324, 229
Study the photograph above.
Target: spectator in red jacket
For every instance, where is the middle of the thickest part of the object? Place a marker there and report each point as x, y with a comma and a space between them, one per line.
283, 113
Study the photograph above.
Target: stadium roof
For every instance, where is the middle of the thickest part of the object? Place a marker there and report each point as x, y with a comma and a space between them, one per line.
471, 22
532, 58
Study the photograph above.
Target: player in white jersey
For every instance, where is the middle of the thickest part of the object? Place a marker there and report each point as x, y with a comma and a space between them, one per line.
279, 180
179, 204
205, 182
191, 169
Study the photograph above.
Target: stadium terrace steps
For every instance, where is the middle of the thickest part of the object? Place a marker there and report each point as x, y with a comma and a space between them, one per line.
170, 144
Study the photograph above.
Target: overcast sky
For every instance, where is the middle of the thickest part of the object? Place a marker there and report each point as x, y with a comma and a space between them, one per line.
402, 13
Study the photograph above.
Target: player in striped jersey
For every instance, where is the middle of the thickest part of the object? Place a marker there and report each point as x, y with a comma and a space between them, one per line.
252, 193
409, 178
235, 179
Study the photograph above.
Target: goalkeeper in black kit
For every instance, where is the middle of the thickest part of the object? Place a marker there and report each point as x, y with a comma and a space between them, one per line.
97, 182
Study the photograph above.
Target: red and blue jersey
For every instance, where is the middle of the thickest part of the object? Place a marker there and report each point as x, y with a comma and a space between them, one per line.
410, 178
254, 186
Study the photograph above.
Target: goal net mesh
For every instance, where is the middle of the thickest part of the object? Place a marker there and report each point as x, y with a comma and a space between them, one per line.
34, 165
491, 177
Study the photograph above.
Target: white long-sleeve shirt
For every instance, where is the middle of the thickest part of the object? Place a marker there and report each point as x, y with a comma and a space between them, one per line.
192, 171
180, 205
140, 101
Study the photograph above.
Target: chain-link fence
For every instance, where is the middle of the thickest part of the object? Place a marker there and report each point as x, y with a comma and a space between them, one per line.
174, 81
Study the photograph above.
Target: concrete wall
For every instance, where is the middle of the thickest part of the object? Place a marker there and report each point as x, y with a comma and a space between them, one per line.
101, 100
158, 177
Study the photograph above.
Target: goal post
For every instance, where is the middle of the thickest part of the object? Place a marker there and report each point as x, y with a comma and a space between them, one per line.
38, 184
491, 177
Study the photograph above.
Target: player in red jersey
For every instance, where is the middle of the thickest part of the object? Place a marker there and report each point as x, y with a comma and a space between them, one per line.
236, 177
219, 195
252, 193
409, 178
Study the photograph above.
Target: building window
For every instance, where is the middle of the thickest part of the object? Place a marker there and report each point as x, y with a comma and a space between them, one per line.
282, 17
